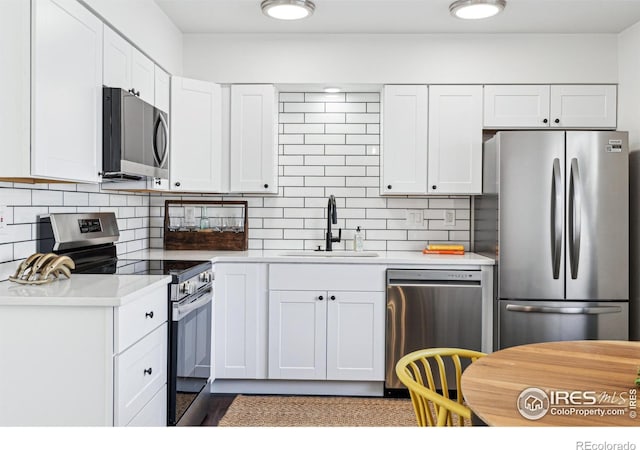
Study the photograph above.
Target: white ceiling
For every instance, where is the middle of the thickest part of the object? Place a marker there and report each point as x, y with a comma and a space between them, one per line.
405, 16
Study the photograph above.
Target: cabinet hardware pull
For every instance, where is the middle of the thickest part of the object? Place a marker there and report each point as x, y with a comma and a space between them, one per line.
149, 315
333, 297
434, 187
177, 183
389, 187
545, 121
557, 121
266, 186
148, 371
320, 297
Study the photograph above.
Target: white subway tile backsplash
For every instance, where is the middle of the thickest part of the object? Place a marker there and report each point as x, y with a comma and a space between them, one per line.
325, 139
324, 181
372, 139
326, 98
356, 171
45, 198
326, 118
6, 253
363, 118
363, 97
292, 97
292, 118
304, 170
28, 214
303, 107
304, 128
291, 139
345, 150
304, 149
351, 128
346, 107
329, 144
17, 197
333, 160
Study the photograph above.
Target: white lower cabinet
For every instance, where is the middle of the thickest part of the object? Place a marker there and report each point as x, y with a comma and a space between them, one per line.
140, 372
240, 321
84, 368
326, 335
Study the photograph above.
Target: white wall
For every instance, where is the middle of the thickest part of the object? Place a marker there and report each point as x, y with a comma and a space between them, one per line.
629, 88
147, 26
434, 58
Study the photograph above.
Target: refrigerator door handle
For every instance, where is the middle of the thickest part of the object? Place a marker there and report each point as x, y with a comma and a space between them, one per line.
556, 218
564, 309
575, 213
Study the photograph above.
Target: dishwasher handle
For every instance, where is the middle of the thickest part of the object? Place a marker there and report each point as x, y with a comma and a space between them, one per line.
434, 277
432, 283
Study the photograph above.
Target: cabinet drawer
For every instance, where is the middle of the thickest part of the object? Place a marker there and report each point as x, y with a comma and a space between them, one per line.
338, 277
136, 319
154, 413
139, 373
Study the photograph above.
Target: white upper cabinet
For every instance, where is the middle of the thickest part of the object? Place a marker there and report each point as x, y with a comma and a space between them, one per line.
455, 140
162, 89
583, 106
253, 139
404, 139
66, 91
143, 75
196, 161
544, 106
118, 59
516, 106
127, 68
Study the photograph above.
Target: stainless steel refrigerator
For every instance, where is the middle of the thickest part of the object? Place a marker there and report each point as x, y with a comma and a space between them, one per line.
555, 214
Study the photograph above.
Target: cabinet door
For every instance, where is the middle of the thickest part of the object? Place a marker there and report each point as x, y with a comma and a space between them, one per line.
143, 76
298, 335
254, 131
195, 163
162, 89
66, 91
118, 58
355, 336
455, 140
583, 106
240, 321
404, 139
516, 106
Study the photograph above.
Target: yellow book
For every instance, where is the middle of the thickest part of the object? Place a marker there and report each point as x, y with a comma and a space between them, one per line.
445, 247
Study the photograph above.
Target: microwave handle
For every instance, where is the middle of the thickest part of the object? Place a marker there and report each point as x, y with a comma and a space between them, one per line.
161, 160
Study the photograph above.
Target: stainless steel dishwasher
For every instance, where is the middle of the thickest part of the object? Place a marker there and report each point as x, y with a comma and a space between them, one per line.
431, 308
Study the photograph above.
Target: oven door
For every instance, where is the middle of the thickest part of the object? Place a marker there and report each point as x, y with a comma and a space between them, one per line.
189, 358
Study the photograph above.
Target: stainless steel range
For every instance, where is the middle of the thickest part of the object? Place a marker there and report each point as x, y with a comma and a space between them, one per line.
89, 240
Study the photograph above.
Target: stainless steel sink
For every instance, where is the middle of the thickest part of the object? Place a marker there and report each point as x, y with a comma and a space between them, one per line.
332, 254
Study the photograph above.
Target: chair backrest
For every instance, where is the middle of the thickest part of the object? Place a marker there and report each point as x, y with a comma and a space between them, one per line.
419, 371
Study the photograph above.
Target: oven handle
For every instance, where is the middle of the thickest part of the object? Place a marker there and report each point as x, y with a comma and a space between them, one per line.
182, 310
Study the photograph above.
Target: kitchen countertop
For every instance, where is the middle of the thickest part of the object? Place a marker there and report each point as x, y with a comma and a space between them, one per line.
82, 290
276, 256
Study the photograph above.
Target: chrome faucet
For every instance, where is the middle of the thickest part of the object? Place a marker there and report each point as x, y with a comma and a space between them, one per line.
332, 217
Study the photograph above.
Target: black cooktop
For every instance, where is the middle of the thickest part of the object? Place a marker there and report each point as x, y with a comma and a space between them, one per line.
179, 270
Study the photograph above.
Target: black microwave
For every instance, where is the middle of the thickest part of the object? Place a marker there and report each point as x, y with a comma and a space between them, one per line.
135, 137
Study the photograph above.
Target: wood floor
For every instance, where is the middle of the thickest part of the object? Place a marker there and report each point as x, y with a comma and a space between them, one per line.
218, 405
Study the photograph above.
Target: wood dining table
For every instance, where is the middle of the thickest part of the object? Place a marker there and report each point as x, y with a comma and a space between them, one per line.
571, 383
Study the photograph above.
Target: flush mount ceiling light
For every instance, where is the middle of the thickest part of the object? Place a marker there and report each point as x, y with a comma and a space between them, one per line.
288, 9
476, 9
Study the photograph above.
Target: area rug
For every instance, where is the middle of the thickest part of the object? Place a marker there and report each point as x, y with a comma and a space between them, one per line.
303, 411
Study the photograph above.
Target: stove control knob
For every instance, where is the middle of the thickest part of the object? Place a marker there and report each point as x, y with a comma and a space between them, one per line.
187, 288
